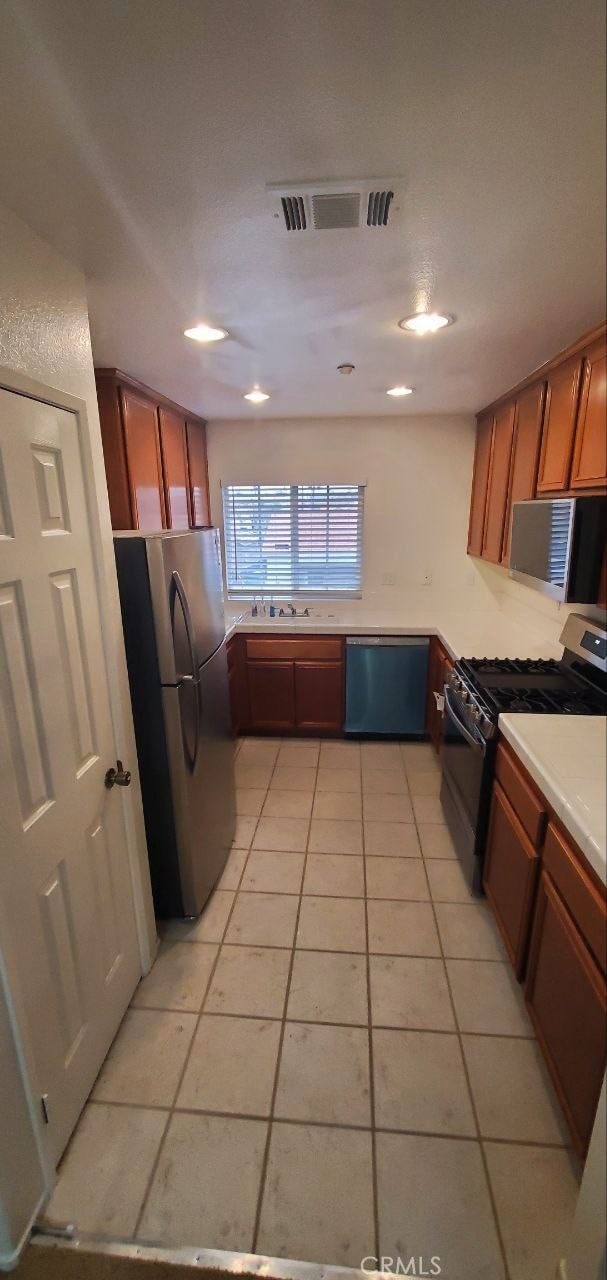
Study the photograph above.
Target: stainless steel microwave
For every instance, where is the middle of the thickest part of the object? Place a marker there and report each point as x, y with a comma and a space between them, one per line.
558, 546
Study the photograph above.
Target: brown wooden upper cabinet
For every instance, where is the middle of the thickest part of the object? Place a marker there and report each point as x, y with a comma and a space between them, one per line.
562, 393
498, 483
155, 457
589, 467
480, 481
525, 455
200, 513
142, 448
175, 466
547, 437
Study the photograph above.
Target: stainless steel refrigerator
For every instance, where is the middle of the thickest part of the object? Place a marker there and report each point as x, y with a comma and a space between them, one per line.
171, 595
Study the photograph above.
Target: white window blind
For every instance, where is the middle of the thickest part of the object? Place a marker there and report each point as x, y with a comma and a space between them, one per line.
293, 539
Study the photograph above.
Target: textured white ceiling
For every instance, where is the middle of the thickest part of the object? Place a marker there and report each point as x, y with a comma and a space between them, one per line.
138, 136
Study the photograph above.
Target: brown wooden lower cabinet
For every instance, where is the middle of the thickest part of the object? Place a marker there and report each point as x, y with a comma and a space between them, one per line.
439, 666
286, 685
551, 909
510, 877
271, 688
319, 696
237, 681
567, 1000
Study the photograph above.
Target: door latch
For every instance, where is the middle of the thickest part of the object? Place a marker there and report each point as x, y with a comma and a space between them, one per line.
44, 1107
117, 777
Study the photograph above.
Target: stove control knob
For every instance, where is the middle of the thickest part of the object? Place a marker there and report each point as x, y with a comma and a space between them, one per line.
476, 714
465, 694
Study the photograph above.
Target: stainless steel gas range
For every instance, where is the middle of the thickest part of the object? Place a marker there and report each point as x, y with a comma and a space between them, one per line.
478, 691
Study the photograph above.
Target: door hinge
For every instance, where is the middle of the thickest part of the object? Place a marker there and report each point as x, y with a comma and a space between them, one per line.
44, 1107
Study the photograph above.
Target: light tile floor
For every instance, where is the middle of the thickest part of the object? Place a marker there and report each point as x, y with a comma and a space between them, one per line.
335, 1061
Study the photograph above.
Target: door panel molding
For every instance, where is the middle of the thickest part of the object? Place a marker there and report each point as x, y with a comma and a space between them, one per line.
27, 737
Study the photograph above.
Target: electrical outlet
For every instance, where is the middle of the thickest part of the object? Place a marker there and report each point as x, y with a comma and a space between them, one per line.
388, 580
427, 580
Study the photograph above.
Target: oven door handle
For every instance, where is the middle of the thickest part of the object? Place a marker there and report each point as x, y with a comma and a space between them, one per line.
474, 740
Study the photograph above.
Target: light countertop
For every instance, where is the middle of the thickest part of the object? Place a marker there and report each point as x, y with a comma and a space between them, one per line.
567, 757
464, 635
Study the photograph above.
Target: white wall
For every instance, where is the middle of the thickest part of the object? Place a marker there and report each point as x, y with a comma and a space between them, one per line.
529, 606
44, 335
418, 473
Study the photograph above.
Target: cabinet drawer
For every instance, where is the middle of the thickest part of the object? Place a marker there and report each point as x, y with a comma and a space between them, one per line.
585, 901
277, 647
527, 803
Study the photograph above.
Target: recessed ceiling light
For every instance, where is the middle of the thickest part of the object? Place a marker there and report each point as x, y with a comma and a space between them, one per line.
205, 333
399, 391
425, 322
256, 396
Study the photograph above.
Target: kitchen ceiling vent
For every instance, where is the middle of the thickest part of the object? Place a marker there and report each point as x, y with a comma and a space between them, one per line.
335, 206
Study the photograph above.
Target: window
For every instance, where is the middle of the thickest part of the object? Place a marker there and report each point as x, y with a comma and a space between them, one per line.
293, 539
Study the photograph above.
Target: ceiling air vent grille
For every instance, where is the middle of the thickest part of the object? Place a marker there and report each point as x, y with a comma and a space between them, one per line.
336, 211
294, 211
337, 206
378, 208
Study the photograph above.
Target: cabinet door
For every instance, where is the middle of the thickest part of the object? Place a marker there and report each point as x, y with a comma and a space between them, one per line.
525, 456
271, 695
562, 391
589, 468
497, 489
566, 997
237, 680
510, 877
480, 480
434, 678
144, 461
439, 667
175, 466
200, 507
319, 696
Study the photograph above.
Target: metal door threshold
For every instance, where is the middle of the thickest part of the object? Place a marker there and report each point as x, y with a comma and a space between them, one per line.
216, 1262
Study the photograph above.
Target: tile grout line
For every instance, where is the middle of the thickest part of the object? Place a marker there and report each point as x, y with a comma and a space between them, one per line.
374, 1173
323, 1022
485, 1166
156, 1162
266, 1155
326, 1124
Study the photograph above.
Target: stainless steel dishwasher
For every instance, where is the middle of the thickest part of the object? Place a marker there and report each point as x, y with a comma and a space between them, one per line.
386, 680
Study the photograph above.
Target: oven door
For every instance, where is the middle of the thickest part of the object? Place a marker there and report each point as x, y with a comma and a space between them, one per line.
467, 763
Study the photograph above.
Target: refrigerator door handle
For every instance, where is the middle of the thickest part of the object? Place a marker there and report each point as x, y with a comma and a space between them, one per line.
178, 592
190, 741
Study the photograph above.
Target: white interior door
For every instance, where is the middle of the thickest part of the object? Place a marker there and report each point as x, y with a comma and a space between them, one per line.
66, 906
